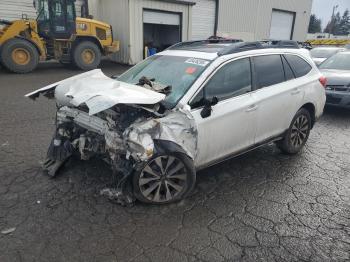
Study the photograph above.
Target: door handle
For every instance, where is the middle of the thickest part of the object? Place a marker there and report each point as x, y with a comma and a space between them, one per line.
295, 91
252, 108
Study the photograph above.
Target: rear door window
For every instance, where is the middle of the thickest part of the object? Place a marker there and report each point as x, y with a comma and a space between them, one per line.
268, 70
299, 66
287, 70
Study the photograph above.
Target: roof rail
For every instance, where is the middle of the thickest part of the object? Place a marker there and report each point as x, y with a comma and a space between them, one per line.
280, 44
240, 47
245, 46
205, 41
237, 45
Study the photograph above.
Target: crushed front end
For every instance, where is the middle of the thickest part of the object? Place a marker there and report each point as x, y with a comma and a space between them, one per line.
116, 122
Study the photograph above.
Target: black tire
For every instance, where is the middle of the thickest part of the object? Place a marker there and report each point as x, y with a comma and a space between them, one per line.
186, 183
90, 48
297, 134
25, 52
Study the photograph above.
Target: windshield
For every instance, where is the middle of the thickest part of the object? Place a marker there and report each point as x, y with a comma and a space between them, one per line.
43, 10
323, 53
340, 61
175, 71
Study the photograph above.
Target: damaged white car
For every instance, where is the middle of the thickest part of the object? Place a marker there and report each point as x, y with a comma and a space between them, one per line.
186, 108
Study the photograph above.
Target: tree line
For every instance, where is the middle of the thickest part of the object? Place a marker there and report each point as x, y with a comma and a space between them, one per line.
338, 25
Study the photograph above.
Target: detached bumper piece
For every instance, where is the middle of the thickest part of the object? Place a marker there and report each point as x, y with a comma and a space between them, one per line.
58, 153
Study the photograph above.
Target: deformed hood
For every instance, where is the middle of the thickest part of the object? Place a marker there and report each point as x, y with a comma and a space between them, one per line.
97, 91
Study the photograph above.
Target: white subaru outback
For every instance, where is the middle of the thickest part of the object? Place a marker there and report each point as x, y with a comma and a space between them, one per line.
184, 109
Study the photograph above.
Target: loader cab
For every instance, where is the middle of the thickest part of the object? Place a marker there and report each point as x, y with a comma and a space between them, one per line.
56, 18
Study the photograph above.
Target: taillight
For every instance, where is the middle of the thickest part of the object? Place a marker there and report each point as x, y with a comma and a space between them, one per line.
323, 81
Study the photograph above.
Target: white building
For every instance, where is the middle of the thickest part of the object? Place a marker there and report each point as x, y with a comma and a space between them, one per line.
261, 19
160, 23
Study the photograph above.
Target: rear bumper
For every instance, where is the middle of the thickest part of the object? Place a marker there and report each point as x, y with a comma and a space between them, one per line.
114, 47
340, 99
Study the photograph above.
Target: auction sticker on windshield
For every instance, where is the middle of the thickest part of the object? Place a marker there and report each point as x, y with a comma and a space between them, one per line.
197, 61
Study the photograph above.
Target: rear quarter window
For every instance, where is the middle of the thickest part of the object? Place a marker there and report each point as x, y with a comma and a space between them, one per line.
299, 66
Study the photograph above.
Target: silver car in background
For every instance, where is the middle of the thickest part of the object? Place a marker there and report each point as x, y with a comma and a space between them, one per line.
337, 71
320, 54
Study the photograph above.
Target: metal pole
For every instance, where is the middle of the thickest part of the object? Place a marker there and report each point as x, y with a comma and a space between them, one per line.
332, 21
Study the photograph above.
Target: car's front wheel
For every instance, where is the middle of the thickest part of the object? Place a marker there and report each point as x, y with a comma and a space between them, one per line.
164, 179
297, 134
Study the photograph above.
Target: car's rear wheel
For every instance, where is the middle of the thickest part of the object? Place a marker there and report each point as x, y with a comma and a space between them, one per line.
297, 134
164, 179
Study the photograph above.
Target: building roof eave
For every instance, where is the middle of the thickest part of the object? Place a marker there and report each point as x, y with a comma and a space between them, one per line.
181, 2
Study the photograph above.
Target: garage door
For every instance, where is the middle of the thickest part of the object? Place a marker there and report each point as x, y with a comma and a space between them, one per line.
203, 19
162, 18
281, 25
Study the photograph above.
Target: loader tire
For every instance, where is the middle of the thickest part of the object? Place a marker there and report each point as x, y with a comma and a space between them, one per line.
19, 56
86, 56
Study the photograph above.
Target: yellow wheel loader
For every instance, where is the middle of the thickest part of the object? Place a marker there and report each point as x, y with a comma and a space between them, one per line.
56, 34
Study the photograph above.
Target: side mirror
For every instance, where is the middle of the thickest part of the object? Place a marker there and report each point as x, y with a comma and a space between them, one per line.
206, 111
214, 101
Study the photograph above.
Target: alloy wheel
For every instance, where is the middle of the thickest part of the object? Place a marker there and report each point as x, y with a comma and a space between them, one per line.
300, 131
163, 179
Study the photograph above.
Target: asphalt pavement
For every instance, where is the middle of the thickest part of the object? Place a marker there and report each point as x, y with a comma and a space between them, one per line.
262, 206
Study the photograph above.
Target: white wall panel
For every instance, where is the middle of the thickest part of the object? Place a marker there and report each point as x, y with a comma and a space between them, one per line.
78, 5
13, 9
203, 19
115, 13
251, 19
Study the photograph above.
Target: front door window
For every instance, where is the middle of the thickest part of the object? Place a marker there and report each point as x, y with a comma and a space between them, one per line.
230, 127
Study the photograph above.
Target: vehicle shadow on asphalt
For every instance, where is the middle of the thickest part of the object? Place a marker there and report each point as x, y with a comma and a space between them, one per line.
245, 174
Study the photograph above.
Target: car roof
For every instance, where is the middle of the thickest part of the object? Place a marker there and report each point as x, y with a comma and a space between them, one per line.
211, 50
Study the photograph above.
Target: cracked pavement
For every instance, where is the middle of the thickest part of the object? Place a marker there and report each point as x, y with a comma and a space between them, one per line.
262, 206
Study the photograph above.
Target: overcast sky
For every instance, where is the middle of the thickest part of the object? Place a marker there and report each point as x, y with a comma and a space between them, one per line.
323, 8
